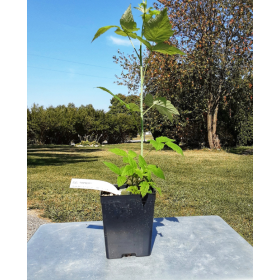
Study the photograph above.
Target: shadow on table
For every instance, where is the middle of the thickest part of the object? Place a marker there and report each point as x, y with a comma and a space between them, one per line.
95, 227
157, 223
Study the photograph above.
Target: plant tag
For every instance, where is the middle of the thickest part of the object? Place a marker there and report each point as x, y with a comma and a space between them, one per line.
94, 185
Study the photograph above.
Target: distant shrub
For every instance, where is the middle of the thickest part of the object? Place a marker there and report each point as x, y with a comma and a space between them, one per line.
87, 143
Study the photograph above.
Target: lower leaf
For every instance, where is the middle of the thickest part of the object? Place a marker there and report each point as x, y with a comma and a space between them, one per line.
133, 190
121, 180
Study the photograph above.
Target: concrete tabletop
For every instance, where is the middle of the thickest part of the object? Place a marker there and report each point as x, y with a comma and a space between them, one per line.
197, 247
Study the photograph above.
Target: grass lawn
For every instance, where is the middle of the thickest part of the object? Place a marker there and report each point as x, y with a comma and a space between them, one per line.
203, 182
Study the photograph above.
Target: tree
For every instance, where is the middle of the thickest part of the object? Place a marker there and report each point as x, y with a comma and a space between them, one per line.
31, 128
237, 113
217, 35
38, 124
122, 127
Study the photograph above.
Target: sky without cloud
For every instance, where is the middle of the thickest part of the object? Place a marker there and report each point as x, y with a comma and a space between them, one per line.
63, 66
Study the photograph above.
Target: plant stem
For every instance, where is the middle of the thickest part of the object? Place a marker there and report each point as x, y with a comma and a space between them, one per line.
148, 152
148, 109
141, 93
141, 109
133, 47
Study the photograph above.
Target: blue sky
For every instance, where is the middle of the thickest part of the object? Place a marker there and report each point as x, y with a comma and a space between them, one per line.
63, 65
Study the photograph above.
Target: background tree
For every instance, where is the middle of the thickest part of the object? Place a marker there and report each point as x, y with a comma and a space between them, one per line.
38, 124
236, 113
123, 122
31, 128
217, 35
61, 124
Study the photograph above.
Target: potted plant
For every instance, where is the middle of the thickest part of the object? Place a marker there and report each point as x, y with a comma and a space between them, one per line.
128, 218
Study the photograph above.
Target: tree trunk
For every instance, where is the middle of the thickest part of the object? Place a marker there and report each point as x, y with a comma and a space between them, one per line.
216, 139
209, 127
212, 117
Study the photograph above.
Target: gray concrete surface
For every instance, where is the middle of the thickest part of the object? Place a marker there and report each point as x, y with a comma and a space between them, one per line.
198, 247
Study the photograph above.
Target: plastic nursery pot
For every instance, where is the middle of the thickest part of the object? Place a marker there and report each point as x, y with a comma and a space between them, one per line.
127, 224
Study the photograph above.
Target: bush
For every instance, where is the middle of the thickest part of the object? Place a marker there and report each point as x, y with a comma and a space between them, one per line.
87, 143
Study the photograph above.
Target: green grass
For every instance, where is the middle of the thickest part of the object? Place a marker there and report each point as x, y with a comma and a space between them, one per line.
241, 150
203, 182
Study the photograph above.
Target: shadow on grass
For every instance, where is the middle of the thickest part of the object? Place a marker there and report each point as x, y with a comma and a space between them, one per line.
44, 159
62, 149
241, 150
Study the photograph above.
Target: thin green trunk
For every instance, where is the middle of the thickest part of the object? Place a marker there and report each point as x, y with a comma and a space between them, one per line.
141, 111
141, 94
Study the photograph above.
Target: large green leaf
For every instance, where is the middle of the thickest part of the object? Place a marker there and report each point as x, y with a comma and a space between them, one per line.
156, 170
158, 146
132, 162
162, 99
127, 22
132, 154
168, 106
102, 30
121, 180
122, 168
175, 147
166, 109
125, 159
165, 112
134, 107
118, 152
113, 167
141, 161
158, 29
166, 49
149, 100
128, 170
107, 90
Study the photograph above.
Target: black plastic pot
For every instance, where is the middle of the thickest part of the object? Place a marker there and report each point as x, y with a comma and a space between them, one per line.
128, 224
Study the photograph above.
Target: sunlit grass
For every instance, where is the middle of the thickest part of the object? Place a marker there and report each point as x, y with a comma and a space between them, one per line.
203, 182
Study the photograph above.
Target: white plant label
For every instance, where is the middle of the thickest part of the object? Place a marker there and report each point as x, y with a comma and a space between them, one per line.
94, 185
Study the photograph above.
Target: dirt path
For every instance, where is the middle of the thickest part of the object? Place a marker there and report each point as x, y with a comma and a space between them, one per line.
34, 221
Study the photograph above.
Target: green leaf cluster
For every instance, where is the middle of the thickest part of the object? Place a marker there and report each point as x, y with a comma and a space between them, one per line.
137, 173
156, 29
159, 143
